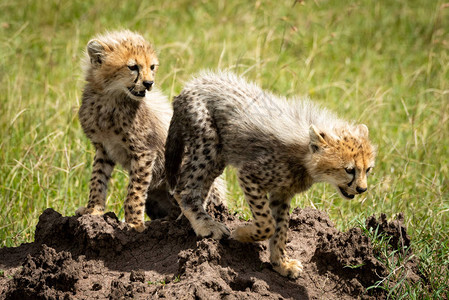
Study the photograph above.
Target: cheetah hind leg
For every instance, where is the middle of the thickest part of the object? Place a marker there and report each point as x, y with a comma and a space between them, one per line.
202, 223
215, 195
209, 228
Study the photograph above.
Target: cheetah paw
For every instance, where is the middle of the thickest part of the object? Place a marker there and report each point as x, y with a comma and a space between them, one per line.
291, 268
212, 229
88, 211
138, 227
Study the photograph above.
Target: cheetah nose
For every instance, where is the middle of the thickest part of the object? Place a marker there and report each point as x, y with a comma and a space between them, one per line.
360, 190
148, 84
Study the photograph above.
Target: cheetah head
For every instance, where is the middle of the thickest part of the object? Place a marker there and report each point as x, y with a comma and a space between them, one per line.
343, 158
122, 62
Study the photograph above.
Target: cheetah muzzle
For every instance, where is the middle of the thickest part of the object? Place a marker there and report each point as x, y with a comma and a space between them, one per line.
137, 93
345, 194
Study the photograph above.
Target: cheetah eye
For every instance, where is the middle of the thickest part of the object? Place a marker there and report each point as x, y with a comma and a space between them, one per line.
350, 171
152, 67
368, 170
133, 67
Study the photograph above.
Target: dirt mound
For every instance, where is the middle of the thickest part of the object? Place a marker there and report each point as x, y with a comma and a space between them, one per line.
99, 257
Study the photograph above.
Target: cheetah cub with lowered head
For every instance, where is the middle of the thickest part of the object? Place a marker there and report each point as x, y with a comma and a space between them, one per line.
279, 147
127, 120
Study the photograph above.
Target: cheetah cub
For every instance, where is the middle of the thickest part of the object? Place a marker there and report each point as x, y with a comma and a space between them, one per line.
279, 147
127, 120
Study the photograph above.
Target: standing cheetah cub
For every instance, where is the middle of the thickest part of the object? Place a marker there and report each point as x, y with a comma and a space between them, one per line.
127, 120
279, 147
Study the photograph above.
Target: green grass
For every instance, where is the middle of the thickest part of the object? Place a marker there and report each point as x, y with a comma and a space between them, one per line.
383, 63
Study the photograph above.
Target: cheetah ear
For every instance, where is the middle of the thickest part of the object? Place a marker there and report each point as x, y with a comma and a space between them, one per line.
96, 52
317, 139
363, 130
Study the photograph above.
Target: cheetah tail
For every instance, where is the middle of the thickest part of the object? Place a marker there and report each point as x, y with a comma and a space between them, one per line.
174, 150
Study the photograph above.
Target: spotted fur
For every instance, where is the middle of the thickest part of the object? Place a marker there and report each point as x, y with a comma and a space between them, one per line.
127, 120
279, 146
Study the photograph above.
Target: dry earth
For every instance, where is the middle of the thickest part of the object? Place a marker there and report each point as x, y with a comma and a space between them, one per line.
98, 257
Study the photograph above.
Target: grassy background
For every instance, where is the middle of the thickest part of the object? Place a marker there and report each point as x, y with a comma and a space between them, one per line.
384, 63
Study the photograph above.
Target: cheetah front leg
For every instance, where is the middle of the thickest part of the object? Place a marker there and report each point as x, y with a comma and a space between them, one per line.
101, 173
140, 176
280, 205
262, 226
